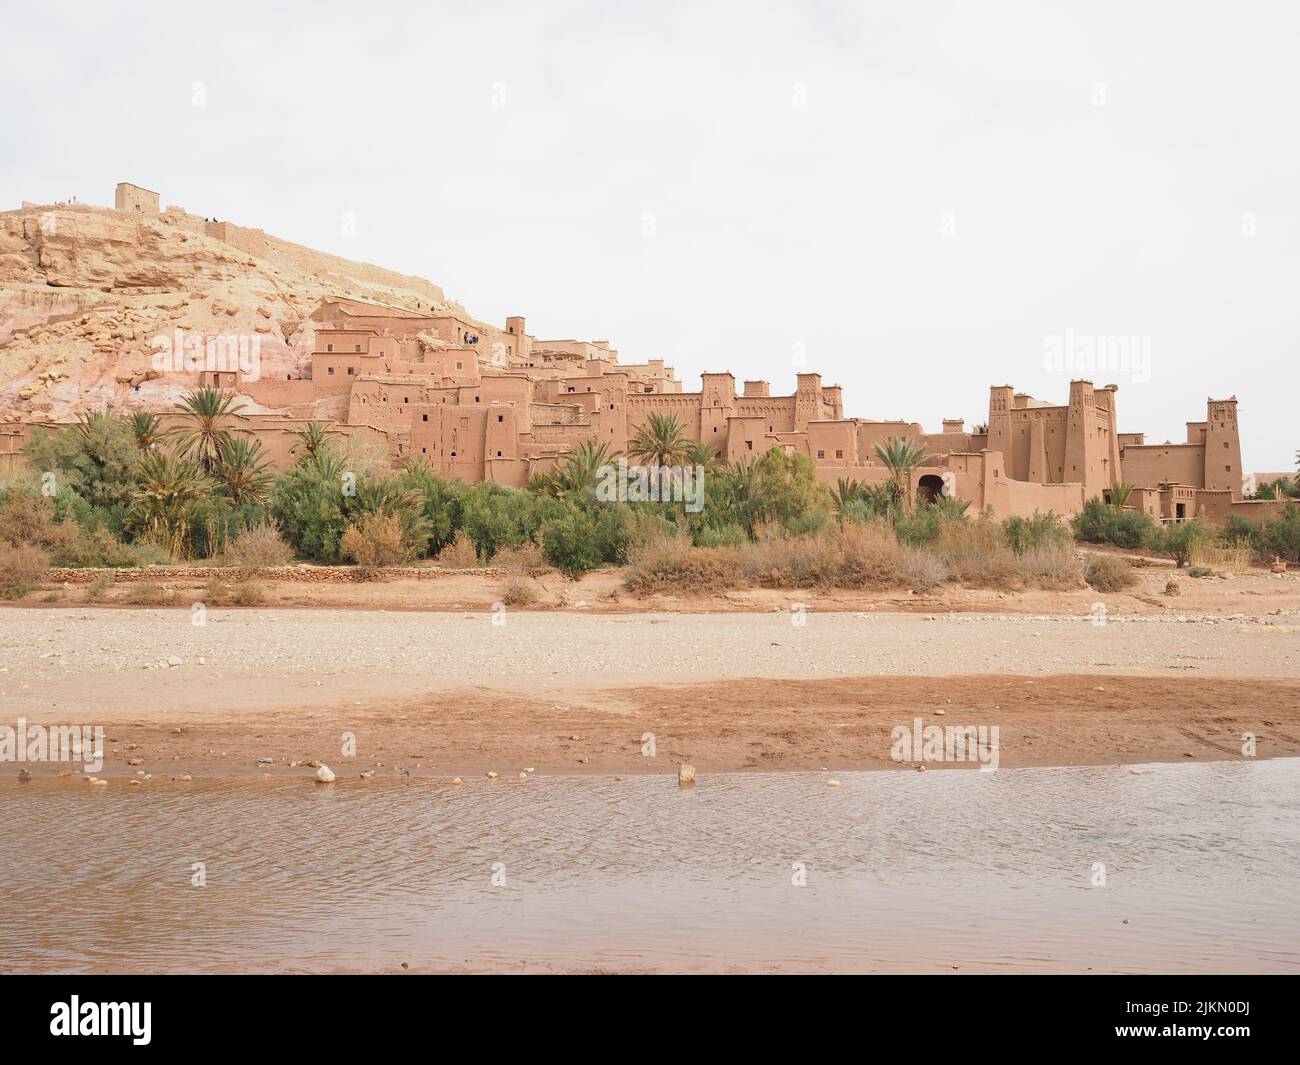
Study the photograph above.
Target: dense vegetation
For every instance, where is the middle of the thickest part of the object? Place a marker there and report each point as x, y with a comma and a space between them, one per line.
120, 491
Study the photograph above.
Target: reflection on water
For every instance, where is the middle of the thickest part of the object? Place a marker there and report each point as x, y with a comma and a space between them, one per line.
903, 872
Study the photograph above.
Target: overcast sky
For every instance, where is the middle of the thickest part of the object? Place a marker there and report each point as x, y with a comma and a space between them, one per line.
918, 199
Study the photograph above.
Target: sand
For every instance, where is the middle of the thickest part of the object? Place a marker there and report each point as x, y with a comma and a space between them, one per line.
451, 694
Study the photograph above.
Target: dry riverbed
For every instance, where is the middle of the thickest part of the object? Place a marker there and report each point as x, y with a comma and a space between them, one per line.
452, 694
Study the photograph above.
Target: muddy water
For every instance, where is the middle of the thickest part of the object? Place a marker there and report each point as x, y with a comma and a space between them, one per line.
904, 872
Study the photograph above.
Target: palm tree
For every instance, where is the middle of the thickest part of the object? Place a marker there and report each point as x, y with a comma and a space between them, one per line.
578, 472
1119, 493
659, 441
206, 412
698, 453
900, 457
846, 491
146, 428
311, 439
243, 474
162, 507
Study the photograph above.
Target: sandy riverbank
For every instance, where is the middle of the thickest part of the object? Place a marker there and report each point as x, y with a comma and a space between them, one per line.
441, 695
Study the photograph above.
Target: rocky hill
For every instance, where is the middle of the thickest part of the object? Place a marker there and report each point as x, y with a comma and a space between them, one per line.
84, 290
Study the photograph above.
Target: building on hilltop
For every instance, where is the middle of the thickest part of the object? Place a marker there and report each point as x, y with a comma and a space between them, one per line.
128, 197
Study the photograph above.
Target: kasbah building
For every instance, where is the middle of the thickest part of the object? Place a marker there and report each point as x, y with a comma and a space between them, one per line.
479, 402
485, 403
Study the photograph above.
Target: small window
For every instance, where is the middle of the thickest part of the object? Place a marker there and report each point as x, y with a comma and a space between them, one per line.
498, 454
501, 417
839, 453
820, 453
329, 372
424, 417
351, 371
476, 399
356, 347
749, 444
329, 347
460, 366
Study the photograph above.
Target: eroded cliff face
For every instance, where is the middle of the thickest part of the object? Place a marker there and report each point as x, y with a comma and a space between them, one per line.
85, 290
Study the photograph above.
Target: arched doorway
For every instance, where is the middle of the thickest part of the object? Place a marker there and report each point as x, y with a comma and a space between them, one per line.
929, 488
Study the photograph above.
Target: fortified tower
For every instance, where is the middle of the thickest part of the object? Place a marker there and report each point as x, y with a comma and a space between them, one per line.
1222, 446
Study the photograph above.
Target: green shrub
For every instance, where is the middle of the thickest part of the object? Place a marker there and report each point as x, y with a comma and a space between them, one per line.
1101, 523
570, 542
309, 504
1042, 530
1238, 530
919, 527
1200, 571
1281, 536
731, 535
1178, 538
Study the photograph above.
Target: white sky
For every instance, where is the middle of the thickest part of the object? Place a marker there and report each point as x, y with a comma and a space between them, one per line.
1095, 163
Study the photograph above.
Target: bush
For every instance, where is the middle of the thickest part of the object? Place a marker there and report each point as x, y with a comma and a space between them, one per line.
1281, 536
1106, 573
1051, 565
977, 555
519, 593
222, 592
1178, 539
97, 589
497, 517
1101, 523
23, 568
921, 570
525, 559
308, 502
675, 566
459, 554
1042, 530
260, 546
377, 540
27, 518
1200, 571
1238, 530
731, 535
148, 592
570, 543
920, 527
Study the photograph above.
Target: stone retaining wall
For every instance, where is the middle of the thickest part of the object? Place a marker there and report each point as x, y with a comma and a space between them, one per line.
321, 574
